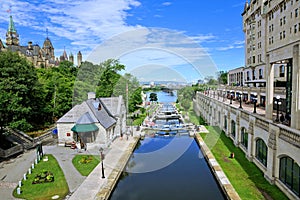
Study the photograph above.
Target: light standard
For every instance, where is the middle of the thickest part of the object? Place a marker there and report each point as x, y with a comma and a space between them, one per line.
241, 96
254, 100
102, 158
277, 108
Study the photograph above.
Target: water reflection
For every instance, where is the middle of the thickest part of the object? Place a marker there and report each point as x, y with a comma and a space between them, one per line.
188, 177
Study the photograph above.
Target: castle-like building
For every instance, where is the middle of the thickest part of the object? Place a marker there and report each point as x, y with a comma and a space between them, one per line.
39, 56
270, 80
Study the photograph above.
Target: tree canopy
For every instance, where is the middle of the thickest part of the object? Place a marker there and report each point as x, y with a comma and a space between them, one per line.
32, 98
20, 98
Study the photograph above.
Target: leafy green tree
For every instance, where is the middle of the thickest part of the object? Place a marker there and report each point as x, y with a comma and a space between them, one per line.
58, 83
153, 97
135, 100
222, 77
109, 77
21, 100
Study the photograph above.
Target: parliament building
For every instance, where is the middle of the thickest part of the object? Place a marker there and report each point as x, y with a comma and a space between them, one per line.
39, 56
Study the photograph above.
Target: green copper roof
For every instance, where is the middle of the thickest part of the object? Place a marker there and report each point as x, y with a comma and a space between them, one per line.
11, 25
83, 128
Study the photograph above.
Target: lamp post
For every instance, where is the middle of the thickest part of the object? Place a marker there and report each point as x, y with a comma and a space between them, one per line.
255, 100
241, 96
277, 108
102, 158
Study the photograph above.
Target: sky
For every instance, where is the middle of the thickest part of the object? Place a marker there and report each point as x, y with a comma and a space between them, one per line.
191, 38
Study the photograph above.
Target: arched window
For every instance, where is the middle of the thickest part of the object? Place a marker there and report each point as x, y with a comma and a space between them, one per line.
233, 128
289, 174
244, 138
261, 152
225, 122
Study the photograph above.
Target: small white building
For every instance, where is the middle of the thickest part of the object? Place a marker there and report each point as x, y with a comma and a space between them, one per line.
95, 122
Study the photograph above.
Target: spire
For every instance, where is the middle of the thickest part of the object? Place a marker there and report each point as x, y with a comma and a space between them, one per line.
11, 25
12, 37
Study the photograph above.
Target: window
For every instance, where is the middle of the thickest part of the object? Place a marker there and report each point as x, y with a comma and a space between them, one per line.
280, 36
260, 72
233, 128
261, 152
244, 138
296, 12
283, 34
289, 174
281, 71
295, 28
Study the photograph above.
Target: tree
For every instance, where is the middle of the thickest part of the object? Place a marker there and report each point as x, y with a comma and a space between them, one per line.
153, 97
109, 77
21, 100
58, 83
222, 77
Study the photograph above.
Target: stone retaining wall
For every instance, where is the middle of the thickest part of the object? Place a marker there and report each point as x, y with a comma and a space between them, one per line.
223, 181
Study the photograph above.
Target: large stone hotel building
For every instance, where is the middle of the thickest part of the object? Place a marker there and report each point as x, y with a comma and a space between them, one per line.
259, 109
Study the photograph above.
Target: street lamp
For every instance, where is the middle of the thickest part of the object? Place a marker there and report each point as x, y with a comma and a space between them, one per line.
278, 103
102, 158
254, 100
241, 96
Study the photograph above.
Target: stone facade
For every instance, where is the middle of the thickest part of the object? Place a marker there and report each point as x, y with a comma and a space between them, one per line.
39, 56
279, 140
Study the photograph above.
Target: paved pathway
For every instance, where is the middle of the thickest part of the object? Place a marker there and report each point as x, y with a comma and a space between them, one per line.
12, 170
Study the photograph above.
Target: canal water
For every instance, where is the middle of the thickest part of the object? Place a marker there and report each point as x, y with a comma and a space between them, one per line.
164, 97
184, 176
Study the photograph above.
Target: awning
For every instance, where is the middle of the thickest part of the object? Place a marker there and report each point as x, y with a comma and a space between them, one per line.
84, 128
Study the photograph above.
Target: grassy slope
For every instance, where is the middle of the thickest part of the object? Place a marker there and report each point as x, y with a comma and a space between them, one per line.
245, 177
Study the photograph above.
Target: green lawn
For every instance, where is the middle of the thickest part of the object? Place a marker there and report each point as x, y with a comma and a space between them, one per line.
85, 163
245, 177
44, 190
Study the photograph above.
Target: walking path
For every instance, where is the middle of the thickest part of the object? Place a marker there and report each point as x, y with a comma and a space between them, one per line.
12, 170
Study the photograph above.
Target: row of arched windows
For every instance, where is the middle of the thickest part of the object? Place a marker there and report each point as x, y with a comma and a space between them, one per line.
289, 170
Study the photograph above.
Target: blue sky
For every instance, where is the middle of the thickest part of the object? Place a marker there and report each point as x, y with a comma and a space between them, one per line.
216, 26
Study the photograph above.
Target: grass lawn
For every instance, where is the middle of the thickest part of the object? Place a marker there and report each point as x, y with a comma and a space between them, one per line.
85, 163
246, 178
44, 190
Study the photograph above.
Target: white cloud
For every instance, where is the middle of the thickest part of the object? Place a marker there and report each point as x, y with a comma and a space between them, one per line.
166, 3
84, 23
156, 47
235, 45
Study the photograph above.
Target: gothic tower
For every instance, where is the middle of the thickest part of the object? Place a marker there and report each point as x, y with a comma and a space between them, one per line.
79, 59
71, 58
48, 48
12, 37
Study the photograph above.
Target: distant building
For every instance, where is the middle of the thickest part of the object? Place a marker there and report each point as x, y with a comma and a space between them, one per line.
39, 56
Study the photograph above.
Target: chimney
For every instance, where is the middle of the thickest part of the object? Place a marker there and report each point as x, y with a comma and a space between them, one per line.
91, 95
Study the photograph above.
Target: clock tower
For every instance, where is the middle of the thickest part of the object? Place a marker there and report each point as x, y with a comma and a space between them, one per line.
12, 37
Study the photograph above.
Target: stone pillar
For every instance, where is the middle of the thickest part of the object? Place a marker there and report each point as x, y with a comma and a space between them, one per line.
295, 107
228, 124
269, 88
237, 139
272, 153
251, 143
